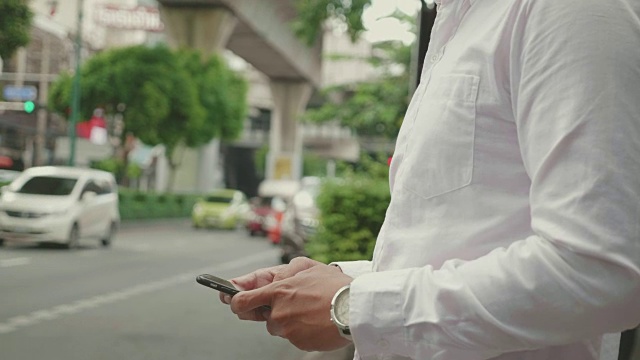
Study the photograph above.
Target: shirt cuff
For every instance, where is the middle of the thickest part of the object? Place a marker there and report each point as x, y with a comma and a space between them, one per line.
376, 318
354, 268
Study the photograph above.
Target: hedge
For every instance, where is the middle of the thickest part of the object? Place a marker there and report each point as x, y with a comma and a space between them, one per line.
136, 205
351, 215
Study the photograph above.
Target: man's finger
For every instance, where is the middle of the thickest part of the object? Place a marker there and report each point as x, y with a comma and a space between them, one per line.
295, 266
246, 301
274, 329
225, 298
256, 279
259, 314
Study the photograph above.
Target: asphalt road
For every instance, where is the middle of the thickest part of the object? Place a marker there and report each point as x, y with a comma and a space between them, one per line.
135, 300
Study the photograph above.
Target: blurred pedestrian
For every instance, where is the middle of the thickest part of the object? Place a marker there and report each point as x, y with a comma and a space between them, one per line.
513, 228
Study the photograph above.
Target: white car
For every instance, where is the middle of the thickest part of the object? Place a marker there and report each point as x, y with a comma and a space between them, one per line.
59, 204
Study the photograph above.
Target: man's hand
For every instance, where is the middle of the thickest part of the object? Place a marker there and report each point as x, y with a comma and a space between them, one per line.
262, 277
300, 307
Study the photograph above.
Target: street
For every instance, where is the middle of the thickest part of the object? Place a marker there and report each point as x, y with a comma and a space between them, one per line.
135, 300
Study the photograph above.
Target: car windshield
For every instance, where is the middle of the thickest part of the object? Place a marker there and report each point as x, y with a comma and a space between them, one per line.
218, 199
48, 185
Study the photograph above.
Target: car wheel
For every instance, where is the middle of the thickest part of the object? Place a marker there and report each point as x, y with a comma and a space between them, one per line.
111, 233
1, 242
73, 241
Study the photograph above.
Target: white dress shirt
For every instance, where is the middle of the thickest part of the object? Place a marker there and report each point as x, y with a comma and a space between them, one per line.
513, 231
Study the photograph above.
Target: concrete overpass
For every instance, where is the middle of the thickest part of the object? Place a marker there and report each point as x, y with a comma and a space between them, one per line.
259, 31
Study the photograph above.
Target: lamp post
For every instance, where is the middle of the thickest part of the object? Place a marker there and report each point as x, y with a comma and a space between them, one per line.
75, 100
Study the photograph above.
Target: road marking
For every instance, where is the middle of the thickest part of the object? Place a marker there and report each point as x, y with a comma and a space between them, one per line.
56, 312
14, 262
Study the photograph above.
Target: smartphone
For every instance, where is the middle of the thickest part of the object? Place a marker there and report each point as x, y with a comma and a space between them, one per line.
221, 285
217, 283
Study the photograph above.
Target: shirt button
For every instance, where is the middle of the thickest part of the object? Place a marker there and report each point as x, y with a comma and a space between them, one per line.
435, 58
383, 343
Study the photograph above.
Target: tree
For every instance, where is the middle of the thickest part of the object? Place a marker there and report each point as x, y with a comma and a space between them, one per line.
221, 91
312, 15
373, 108
15, 22
172, 98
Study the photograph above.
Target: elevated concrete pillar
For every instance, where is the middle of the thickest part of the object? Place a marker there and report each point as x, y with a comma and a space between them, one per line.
284, 160
207, 30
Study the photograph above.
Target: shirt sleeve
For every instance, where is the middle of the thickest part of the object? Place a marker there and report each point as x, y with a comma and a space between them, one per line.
576, 100
354, 268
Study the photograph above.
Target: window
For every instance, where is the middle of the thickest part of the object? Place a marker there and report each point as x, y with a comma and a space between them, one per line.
218, 199
91, 186
48, 185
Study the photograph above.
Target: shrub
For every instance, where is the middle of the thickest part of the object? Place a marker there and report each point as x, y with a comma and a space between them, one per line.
352, 212
135, 205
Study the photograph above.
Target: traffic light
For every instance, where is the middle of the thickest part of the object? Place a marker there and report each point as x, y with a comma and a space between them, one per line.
29, 107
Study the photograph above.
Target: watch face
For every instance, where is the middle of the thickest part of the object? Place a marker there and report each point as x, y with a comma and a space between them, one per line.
342, 307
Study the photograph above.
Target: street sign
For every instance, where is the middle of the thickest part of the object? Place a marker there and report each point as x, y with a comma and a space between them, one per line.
20, 93
15, 106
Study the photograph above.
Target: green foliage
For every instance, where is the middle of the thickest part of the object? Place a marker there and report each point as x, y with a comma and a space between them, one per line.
171, 98
222, 93
312, 15
373, 108
160, 98
260, 159
117, 168
59, 100
15, 24
312, 165
352, 211
137, 205
111, 165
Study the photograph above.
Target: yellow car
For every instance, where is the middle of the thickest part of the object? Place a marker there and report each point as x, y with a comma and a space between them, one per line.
222, 209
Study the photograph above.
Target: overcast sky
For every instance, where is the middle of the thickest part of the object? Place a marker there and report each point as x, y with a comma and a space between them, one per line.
387, 29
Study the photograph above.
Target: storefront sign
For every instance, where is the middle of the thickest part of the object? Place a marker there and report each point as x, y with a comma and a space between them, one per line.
129, 18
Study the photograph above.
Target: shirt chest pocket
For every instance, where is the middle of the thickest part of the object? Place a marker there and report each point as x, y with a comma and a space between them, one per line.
439, 154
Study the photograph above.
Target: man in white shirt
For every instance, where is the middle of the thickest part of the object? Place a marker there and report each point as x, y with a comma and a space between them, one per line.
513, 231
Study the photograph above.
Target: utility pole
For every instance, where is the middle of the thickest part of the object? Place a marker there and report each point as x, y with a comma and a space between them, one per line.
43, 90
75, 101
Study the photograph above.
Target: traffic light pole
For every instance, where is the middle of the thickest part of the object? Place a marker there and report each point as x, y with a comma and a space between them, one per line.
75, 101
43, 92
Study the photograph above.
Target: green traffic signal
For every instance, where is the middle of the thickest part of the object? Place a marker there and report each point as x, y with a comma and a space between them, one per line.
29, 106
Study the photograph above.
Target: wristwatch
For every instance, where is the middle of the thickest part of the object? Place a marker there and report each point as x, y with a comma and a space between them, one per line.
340, 311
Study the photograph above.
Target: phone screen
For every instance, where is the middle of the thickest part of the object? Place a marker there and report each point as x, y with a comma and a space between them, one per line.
217, 283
